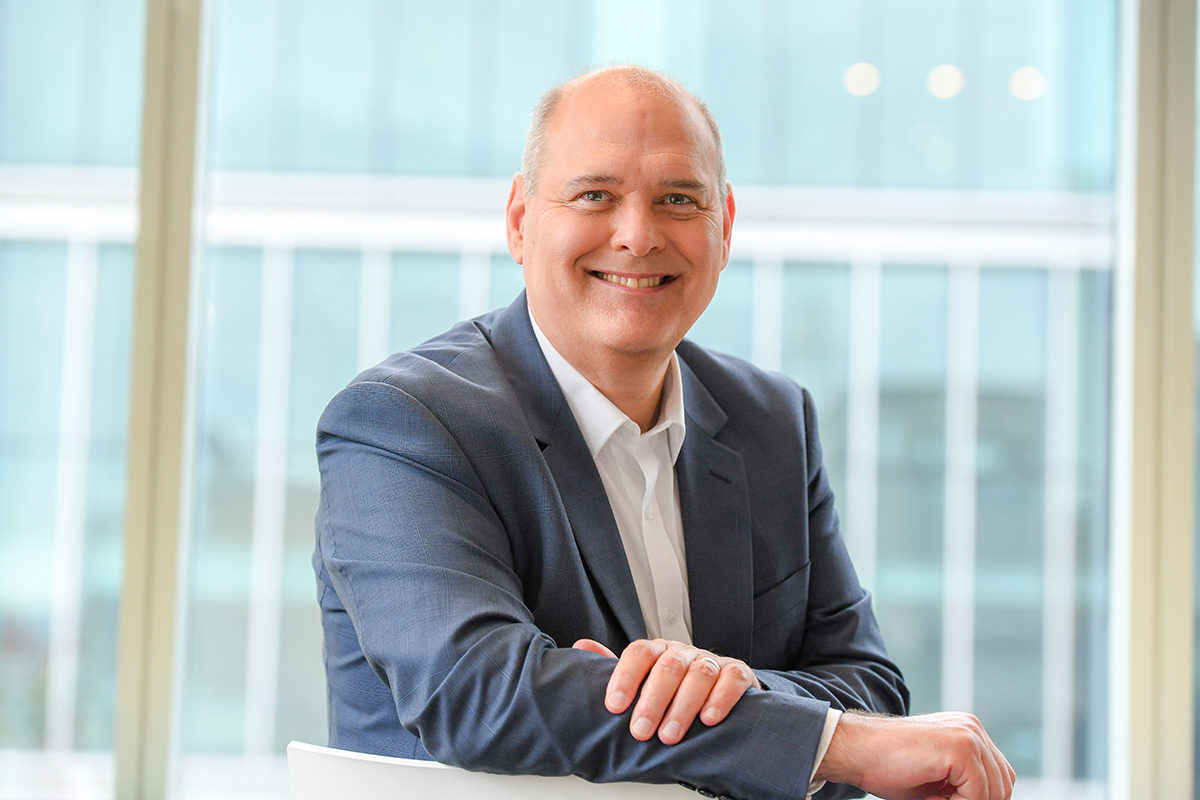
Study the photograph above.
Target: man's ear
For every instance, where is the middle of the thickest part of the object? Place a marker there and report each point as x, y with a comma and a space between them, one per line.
727, 215
514, 218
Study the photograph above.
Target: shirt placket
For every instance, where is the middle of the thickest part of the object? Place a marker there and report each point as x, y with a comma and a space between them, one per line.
664, 565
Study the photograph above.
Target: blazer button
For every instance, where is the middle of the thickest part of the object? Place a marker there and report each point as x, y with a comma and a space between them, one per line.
686, 785
706, 792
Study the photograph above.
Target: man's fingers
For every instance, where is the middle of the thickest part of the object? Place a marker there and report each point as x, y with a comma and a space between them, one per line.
691, 696
1000, 773
674, 683
1006, 776
634, 665
709, 688
659, 689
734, 680
592, 646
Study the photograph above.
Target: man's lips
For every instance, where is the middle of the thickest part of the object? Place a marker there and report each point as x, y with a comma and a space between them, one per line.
634, 281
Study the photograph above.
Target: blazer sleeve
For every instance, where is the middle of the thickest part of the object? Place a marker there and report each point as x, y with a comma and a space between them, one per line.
843, 659
424, 566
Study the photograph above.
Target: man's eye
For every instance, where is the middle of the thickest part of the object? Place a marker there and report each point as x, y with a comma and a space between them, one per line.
594, 195
679, 200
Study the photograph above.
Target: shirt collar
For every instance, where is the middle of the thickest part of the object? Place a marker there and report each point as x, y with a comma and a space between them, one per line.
597, 417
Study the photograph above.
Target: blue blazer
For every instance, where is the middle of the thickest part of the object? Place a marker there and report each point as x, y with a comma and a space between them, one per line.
464, 542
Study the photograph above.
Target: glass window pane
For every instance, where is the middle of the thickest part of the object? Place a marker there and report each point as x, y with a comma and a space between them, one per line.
728, 323
84, 108
70, 116
424, 297
912, 472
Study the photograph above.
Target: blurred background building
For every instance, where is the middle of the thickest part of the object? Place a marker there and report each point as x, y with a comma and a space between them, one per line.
924, 240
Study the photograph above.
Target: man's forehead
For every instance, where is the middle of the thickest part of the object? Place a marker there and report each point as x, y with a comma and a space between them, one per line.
591, 96
594, 127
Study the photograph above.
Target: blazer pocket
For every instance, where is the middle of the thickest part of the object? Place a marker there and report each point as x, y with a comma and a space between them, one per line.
785, 602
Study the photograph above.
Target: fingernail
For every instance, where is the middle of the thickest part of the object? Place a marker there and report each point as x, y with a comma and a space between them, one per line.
670, 731
642, 728
710, 715
617, 701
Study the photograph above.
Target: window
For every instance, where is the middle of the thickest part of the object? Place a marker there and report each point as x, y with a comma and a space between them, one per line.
928, 238
950, 313
70, 109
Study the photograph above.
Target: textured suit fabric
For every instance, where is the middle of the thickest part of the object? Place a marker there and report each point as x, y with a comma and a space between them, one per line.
464, 542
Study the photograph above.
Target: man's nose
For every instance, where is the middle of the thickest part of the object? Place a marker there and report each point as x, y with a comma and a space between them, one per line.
636, 230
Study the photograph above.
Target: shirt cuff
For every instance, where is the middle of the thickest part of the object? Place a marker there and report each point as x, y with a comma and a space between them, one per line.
831, 720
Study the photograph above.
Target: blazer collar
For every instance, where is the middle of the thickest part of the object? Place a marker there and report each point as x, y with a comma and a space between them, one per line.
570, 462
714, 500
715, 507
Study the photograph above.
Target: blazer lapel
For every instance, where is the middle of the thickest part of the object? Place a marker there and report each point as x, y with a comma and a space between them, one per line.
715, 507
570, 462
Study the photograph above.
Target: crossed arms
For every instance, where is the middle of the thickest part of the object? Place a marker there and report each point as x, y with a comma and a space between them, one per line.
452, 581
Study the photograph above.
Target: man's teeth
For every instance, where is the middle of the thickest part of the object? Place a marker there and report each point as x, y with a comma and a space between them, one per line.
632, 283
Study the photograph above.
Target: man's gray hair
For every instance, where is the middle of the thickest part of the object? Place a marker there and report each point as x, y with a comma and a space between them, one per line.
645, 79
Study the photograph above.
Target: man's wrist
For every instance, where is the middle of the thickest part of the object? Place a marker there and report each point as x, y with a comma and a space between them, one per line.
832, 716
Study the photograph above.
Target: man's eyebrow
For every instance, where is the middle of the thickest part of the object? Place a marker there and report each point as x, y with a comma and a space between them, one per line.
688, 185
580, 182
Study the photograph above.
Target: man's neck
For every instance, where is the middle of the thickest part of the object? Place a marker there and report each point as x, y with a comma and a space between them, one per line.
633, 384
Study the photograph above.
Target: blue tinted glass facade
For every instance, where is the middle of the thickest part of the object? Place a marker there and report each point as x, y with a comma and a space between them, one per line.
413, 88
936, 377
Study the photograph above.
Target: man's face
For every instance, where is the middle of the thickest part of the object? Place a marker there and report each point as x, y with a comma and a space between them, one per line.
625, 233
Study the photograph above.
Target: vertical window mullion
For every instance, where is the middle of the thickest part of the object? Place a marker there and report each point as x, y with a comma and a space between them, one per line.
146, 648
1151, 637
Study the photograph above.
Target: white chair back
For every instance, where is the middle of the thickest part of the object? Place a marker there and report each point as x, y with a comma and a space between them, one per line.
323, 773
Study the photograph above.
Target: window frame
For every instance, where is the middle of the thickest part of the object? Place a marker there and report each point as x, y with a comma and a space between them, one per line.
148, 646
1153, 456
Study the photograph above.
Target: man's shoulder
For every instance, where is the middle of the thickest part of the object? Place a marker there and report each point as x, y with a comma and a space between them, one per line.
456, 375
473, 379
461, 359
458, 353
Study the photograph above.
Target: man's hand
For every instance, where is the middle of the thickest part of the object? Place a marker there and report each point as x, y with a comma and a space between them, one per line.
915, 758
678, 683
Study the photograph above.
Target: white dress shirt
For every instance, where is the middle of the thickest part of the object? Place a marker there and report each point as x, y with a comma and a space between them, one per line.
638, 473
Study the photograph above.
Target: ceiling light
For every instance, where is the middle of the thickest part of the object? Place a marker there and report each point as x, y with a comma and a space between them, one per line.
1027, 83
945, 81
861, 79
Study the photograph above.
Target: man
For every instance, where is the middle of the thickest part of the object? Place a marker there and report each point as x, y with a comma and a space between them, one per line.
509, 506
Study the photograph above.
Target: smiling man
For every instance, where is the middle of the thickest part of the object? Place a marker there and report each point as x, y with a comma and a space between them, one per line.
560, 538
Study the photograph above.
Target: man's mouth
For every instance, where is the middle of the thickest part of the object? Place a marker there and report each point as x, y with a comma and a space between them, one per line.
631, 282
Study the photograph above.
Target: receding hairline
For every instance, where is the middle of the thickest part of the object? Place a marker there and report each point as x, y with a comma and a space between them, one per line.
643, 79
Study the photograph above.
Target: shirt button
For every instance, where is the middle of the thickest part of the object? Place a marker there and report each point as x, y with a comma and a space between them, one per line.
649, 513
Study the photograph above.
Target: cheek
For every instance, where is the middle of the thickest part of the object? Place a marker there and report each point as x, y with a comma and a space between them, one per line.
571, 237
